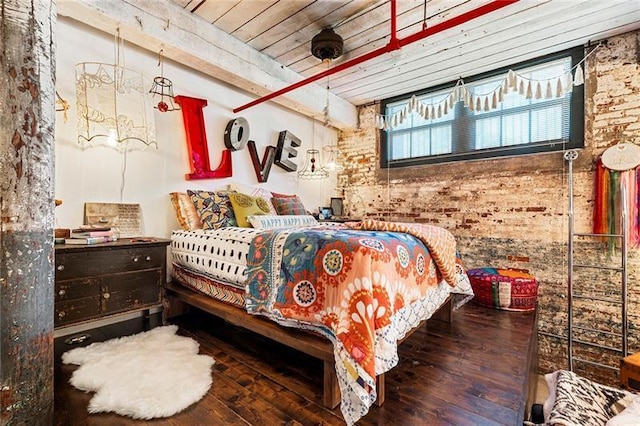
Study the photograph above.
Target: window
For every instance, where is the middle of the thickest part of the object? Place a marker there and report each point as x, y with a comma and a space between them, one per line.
524, 122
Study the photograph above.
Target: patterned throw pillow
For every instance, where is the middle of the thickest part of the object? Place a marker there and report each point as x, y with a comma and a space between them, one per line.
271, 222
288, 205
245, 205
186, 212
254, 192
214, 208
279, 195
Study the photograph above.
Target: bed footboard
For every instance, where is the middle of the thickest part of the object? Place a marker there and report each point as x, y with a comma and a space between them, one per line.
308, 343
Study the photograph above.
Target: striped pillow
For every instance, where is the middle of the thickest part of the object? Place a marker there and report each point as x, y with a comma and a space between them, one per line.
288, 205
186, 212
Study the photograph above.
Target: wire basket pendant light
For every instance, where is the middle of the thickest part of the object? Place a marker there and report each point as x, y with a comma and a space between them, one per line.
163, 87
331, 164
313, 169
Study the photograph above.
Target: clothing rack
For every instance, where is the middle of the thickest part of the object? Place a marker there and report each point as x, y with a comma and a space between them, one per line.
572, 295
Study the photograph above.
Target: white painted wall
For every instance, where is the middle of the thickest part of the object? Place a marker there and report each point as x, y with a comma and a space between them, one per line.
95, 174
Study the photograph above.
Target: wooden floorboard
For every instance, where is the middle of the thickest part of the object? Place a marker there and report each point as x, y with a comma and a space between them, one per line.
469, 372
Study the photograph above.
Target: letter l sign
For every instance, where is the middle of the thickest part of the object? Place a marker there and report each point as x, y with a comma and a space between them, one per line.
197, 142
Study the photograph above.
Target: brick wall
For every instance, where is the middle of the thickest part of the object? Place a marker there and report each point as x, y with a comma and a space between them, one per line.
512, 212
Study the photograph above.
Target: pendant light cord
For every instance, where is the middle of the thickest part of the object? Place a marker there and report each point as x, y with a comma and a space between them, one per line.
123, 173
424, 16
326, 105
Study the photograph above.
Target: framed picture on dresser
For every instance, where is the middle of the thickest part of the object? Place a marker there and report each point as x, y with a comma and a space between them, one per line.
336, 206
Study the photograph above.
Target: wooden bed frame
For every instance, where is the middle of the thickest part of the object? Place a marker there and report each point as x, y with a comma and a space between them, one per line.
308, 343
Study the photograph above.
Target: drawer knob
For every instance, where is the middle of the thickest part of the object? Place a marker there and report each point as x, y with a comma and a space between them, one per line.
148, 258
62, 292
61, 314
106, 295
135, 259
60, 268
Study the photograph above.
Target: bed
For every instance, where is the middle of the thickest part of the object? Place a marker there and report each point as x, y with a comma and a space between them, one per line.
363, 287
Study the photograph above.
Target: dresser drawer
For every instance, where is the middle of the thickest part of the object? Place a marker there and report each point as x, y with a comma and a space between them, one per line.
77, 289
133, 290
72, 311
80, 264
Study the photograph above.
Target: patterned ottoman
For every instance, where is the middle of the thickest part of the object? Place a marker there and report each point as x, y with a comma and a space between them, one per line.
507, 289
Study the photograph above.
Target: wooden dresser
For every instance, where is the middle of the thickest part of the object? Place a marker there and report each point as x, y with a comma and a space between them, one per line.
101, 280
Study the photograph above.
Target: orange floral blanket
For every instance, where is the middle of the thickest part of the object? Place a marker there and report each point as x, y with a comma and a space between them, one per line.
439, 241
363, 286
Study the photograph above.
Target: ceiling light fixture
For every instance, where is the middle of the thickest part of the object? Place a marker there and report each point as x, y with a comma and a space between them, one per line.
327, 45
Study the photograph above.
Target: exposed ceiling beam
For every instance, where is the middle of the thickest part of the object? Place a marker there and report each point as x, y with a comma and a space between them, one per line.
193, 42
394, 44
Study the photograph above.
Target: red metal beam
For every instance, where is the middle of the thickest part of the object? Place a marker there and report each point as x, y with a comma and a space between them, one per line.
394, 44
393, 39
458, 20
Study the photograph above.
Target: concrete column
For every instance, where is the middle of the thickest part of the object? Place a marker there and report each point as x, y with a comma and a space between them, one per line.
27, 118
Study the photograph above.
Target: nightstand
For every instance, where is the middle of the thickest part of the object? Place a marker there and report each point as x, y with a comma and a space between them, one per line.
102, 280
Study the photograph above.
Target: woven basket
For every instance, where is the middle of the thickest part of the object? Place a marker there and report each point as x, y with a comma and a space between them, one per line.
506, 289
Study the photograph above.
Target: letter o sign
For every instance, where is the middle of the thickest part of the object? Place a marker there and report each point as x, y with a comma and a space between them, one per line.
236, 134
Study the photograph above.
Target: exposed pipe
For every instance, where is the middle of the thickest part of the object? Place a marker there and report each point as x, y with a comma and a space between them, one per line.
393, 39
394, 44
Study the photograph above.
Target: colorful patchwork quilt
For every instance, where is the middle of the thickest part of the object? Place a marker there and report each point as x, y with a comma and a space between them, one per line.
363, 286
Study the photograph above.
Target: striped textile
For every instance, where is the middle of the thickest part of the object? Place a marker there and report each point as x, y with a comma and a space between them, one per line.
224, 292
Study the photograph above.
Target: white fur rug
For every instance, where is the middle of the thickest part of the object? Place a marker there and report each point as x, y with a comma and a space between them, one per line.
147, 375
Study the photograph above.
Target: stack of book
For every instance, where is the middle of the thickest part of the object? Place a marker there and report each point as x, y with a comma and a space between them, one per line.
91, 235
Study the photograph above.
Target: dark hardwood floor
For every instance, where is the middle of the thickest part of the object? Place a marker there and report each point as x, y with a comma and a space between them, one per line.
473, 371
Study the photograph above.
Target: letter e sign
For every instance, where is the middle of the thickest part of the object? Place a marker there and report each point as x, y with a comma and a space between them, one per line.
287, 143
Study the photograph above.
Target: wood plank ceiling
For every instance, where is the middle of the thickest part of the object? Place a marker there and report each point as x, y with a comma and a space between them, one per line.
282, 30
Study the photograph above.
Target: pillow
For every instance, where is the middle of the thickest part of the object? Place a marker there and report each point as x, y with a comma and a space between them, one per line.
630, 416
270, 222
552, 381
245, 205
254, 192
288, 205
277, 194
618, 406
214, 208
186, 212
582, 402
